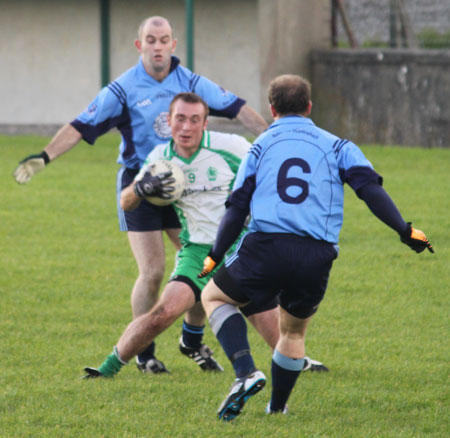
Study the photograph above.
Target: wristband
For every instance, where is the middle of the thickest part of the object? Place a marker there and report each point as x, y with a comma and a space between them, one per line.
137, 191
45, 157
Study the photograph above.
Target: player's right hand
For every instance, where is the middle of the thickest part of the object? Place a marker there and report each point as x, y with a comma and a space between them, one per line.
158, 185
415, 239
208, 265
29, 166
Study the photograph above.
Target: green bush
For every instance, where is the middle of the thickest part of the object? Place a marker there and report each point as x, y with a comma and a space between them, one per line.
429, 38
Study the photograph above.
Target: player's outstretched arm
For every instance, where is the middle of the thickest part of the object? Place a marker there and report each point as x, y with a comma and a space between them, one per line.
415, 239
251, 120
382, 206
65, 139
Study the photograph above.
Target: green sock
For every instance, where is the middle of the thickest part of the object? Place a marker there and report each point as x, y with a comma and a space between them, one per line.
112, 365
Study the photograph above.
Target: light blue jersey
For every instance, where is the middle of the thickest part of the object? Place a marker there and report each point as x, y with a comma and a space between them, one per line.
293, 178
138, 105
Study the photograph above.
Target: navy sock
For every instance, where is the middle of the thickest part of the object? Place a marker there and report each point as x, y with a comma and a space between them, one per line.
192, 335
147, 354
233, 338
285, 371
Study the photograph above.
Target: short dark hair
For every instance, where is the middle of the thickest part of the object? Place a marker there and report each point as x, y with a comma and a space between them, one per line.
289, 94
189, 98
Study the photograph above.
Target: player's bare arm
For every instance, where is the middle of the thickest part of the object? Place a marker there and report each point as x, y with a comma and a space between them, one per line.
251, 120
128, 198
64, 140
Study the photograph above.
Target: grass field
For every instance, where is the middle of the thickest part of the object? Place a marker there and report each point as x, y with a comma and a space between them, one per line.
66, 273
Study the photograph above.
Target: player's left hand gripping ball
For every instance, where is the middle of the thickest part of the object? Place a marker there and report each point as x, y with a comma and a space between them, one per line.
415, 239
155, 185
208, 265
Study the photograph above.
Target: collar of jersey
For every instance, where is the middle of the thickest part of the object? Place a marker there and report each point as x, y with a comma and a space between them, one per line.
174, 63
204, 143
293, 119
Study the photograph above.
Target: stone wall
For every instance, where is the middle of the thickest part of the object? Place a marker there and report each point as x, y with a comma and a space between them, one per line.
370, 19
383, 96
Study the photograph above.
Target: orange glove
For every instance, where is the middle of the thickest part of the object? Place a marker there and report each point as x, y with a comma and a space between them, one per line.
208, 265
415, 239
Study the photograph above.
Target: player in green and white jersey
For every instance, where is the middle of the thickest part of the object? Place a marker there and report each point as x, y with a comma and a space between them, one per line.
210, 161
210, 174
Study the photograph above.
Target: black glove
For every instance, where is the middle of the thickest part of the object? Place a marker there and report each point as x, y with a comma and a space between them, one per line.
158, 185
29, 166
415, 239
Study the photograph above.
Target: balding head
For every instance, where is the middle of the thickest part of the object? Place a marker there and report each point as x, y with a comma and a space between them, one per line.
290, 94
155, 21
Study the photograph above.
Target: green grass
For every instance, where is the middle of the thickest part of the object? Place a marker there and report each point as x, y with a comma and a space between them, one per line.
66, 273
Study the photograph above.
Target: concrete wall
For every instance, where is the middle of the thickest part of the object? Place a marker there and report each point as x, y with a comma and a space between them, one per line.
50, 50
288, 31
225, 45
49, 54
383, 96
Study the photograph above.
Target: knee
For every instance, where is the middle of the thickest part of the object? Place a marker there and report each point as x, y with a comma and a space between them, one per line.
208, 298
151, 274
160, 318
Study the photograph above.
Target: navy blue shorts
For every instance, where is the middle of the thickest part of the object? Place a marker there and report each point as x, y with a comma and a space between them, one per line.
252, 308
146, 217
270, 265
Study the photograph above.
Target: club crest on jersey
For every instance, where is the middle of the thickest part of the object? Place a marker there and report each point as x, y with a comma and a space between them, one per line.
162, 129
211, 173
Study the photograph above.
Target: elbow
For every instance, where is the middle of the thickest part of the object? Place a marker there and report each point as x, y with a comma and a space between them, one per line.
126, 206
123, 205
128, 199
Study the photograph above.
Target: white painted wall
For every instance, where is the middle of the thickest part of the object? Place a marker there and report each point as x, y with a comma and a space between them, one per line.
50, 57
226, 39
50, 49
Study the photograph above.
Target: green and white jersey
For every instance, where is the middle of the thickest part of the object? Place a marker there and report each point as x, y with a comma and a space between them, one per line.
210, 175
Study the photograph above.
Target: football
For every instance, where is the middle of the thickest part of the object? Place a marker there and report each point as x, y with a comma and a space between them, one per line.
160, 166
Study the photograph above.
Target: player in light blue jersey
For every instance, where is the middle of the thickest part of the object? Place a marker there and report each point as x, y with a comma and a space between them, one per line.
210, 161
137, 104
291, 184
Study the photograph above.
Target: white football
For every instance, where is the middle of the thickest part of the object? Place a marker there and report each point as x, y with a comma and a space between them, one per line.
179, 184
